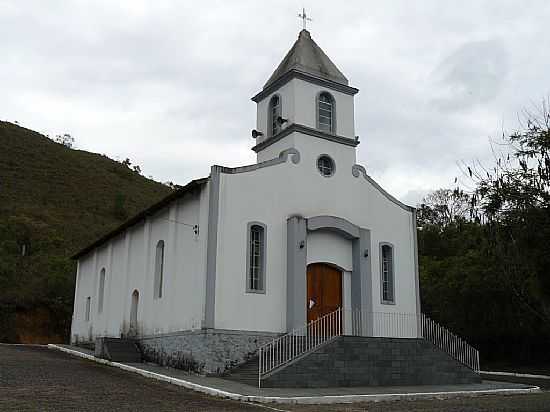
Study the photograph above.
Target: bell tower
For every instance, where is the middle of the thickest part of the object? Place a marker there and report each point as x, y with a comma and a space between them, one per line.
306, 104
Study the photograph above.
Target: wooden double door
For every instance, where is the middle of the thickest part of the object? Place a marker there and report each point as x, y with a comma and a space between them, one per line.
324, 290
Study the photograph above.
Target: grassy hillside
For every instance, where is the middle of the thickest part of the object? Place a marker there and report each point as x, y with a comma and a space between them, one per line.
54, 201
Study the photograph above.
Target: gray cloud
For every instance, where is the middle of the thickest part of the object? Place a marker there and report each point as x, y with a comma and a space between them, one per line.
473, 74
168, 83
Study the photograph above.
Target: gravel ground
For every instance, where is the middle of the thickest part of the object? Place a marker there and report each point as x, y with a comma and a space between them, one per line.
35, 378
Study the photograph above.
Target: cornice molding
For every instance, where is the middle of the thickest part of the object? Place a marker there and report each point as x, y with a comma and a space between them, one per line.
297, 74
295, 127
283, 157
358, 170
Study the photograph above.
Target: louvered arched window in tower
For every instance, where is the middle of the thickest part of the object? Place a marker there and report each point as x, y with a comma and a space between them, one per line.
325, 113
274, 114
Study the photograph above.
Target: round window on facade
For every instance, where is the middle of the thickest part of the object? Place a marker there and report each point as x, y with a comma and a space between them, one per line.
325, 165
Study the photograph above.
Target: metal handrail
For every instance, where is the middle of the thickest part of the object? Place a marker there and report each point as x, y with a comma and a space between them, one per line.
356, 322
450, 343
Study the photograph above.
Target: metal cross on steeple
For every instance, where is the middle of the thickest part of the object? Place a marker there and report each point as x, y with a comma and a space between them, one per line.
304, 18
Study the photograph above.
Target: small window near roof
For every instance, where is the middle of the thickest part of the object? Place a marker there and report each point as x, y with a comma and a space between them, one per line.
325, 165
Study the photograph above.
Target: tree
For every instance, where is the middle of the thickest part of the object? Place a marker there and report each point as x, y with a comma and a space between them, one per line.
514, 197
443, 207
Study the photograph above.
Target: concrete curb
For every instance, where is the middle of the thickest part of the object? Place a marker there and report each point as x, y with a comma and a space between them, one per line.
296, 399
516, 375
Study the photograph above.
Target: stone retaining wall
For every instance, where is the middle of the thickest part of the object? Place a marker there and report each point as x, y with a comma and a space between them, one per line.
204, 351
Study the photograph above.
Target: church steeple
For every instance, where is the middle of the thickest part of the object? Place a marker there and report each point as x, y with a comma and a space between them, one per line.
305, 102
306, 57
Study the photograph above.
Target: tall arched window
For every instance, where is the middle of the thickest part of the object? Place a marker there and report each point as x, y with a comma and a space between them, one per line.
387, 273
101, 292
255, 267
274, 113
325, 113
159, 269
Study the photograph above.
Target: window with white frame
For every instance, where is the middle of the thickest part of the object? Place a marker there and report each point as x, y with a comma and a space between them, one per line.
159, 270
274, 114
387, 273
325, 113
101, 291
255, 274
87, 311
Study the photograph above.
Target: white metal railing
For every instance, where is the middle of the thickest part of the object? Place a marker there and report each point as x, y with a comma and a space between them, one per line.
357, 322
448, 342
298, 342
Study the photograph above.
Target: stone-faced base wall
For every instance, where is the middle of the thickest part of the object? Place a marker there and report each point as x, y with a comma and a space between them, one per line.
204, 351
361, 361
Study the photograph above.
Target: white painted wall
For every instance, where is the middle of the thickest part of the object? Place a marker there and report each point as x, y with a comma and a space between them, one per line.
270, 195
129, 263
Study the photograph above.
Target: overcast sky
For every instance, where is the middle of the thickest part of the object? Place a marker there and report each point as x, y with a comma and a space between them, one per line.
168, 83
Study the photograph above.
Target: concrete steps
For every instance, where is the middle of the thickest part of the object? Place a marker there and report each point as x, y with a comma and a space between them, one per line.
349, 361
246, 373
118, 350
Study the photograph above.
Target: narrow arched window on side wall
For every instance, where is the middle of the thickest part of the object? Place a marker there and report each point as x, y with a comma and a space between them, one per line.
255, 266
101, 291
87, 310
159, 270
387, 278
274, 114
325, 113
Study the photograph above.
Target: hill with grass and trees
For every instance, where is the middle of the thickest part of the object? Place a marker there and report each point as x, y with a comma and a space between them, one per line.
55, 200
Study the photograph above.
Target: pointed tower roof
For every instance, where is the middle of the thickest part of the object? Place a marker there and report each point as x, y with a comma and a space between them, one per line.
307, 57
306, 60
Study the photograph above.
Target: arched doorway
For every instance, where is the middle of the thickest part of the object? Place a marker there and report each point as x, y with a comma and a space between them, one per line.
134, 314
324, 290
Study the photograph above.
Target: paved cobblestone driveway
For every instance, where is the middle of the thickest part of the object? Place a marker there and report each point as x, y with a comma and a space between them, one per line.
40, 379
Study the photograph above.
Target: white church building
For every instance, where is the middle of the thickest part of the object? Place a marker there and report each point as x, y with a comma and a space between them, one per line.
246, 255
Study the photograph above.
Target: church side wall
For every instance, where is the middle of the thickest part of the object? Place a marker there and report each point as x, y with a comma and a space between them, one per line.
270, 195
129, 261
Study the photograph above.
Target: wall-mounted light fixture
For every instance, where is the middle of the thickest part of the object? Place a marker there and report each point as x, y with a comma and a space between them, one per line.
281, 121
256, 133
366, 253
302, 244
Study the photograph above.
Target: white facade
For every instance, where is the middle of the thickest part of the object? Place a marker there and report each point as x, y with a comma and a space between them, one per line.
205, 274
